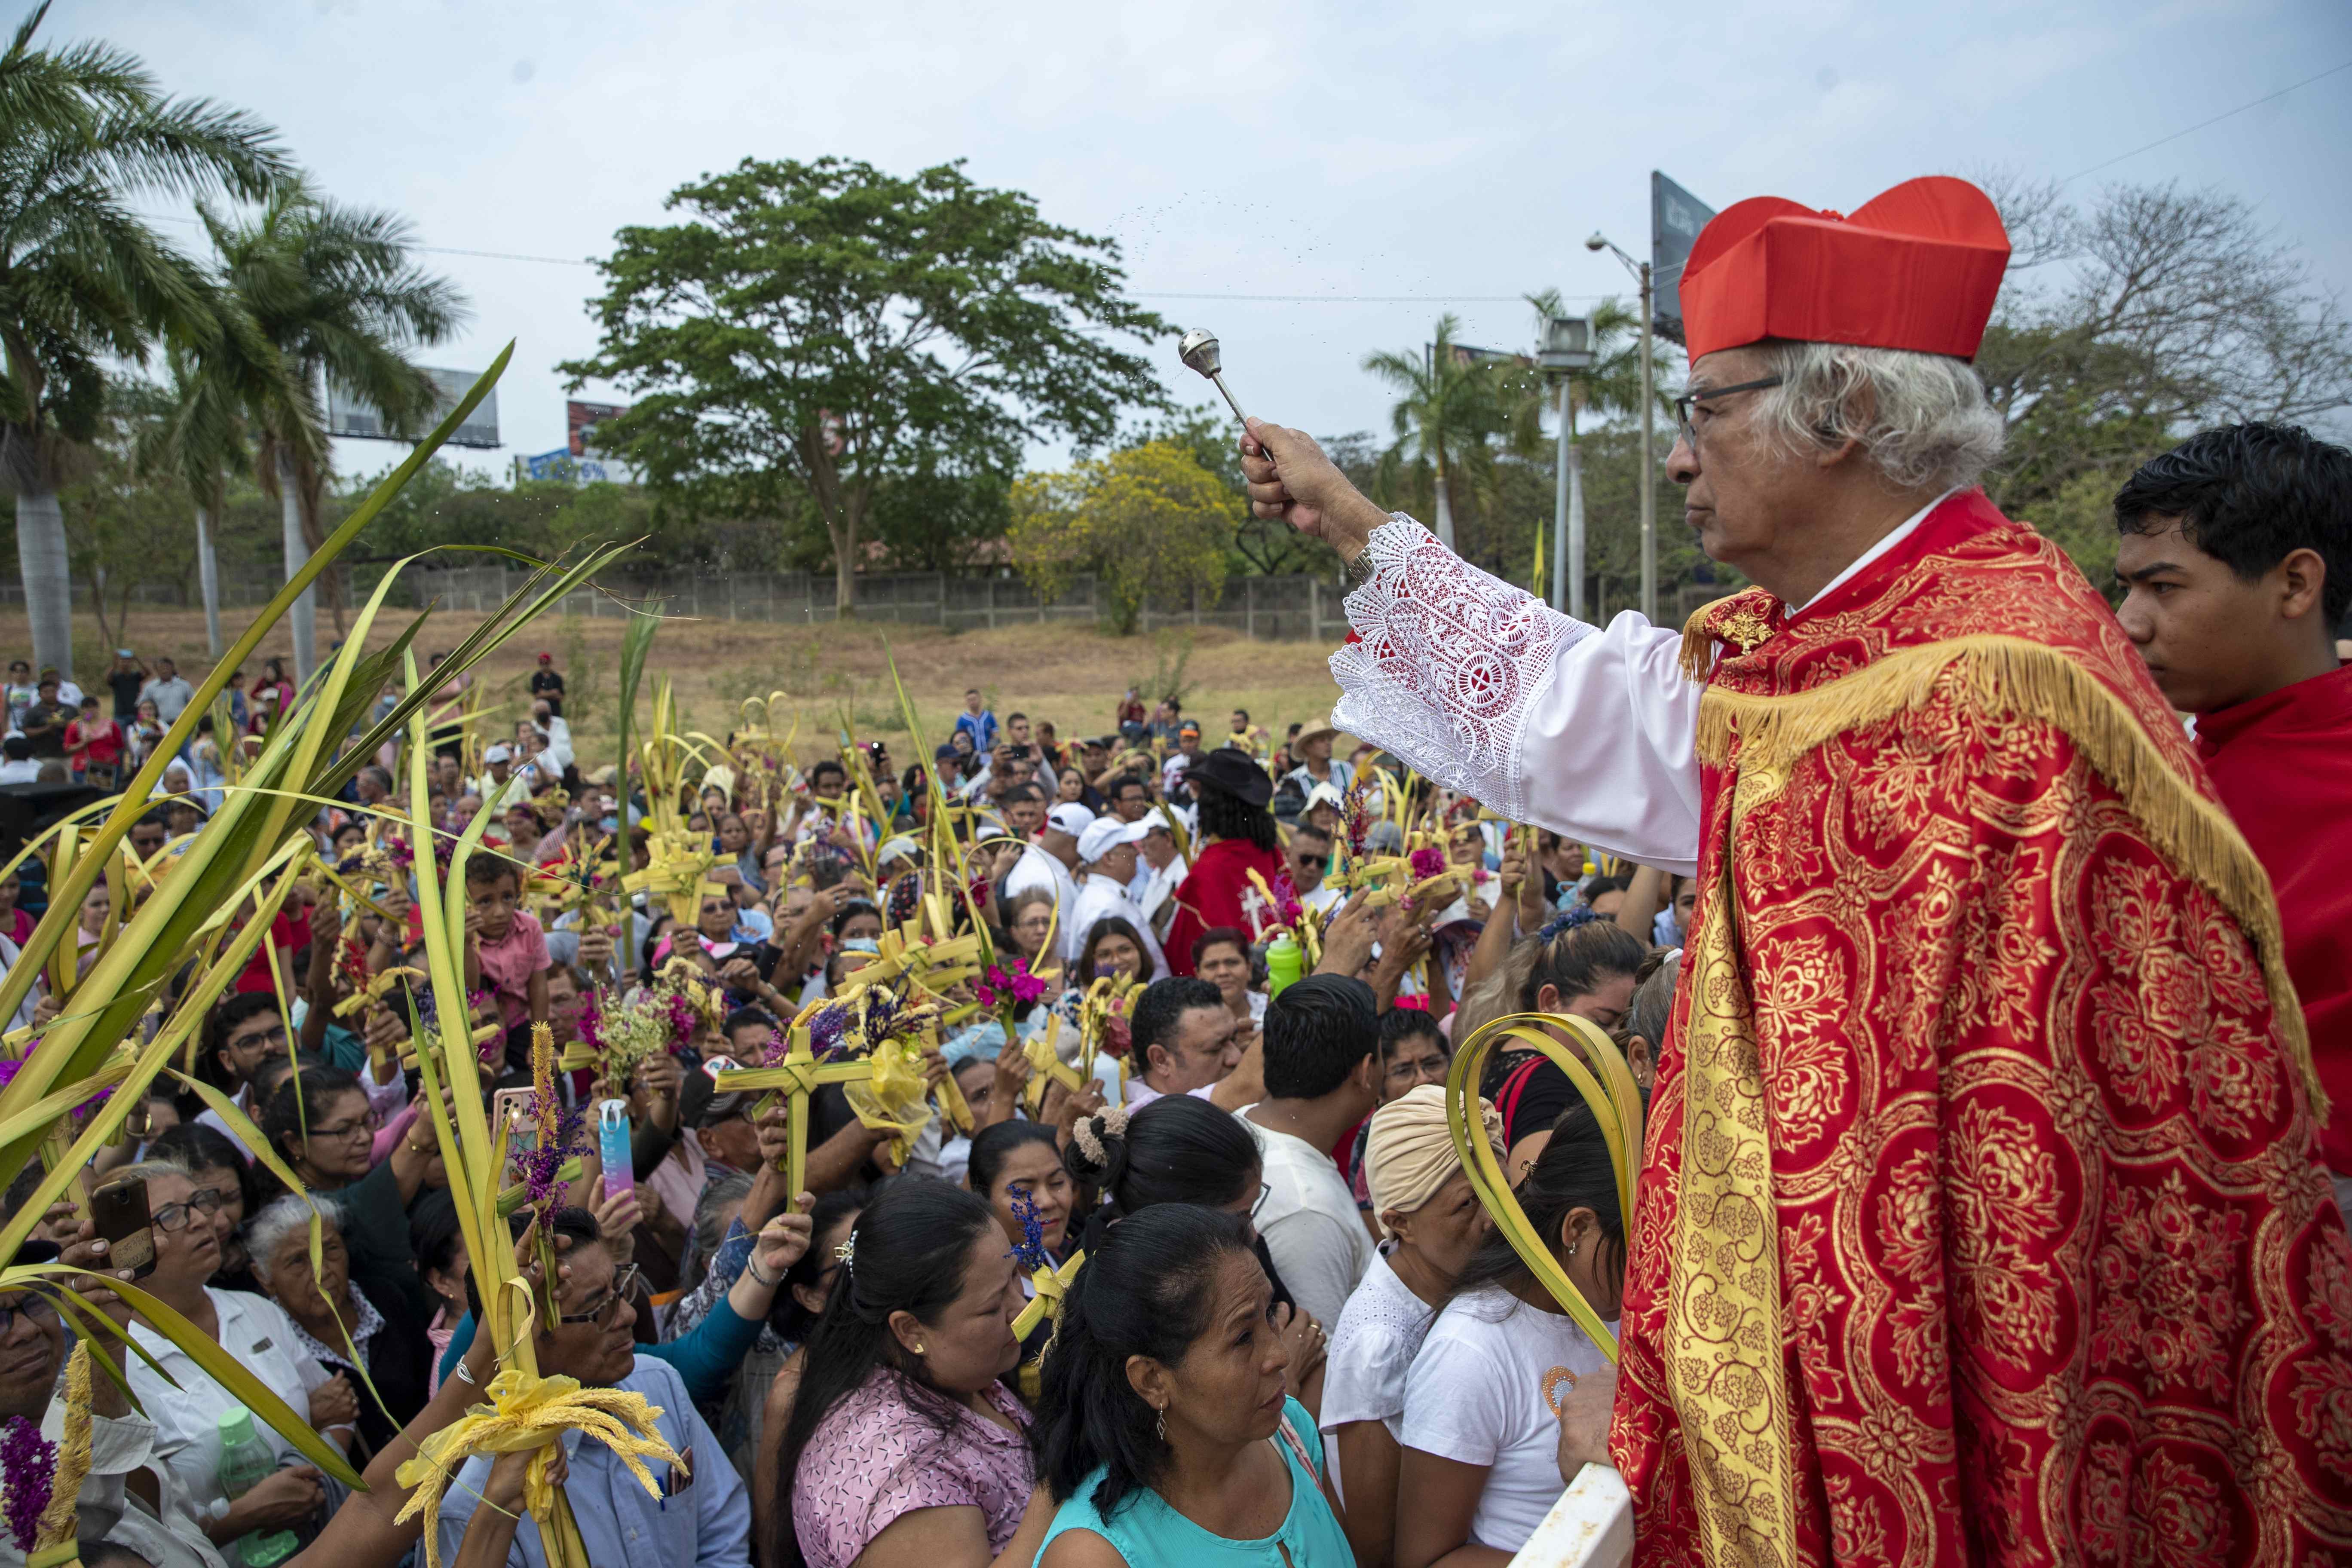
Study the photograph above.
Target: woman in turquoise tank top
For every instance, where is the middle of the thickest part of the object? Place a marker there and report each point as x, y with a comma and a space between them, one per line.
1167, 1438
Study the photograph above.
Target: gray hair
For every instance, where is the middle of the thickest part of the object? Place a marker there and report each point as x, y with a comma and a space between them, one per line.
146, 1170
266, 1231
1921, 419
710, 1211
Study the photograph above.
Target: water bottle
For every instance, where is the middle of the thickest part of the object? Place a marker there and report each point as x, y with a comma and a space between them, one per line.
613, 1146
1284, 958
245, 1460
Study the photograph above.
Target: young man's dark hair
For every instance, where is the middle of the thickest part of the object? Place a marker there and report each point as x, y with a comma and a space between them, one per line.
2249, 496
16, 749
818, 769
743, 1018
1164, 1002
1316, 1032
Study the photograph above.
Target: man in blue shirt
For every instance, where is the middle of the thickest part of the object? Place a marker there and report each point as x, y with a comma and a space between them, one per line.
703, 1516
977, 722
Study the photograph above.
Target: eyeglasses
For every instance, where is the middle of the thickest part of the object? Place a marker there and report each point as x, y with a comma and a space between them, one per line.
37, 1311
273, 1036
1263, 1193
176, 1217
1690, 400
368, 1125
624, 1281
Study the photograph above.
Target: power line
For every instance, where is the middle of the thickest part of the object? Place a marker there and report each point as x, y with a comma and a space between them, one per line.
2202, 124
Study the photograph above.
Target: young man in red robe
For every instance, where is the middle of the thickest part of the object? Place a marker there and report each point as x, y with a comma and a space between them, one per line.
1980, 1216
2236, 562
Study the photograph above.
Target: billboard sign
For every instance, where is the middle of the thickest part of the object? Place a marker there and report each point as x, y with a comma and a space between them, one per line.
560, 465
354, 417
1675, 218
580, 422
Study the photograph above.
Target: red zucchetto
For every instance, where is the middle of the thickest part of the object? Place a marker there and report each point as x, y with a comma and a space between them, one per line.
1916, 267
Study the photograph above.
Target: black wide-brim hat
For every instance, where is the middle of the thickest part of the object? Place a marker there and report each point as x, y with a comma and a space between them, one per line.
1233, 773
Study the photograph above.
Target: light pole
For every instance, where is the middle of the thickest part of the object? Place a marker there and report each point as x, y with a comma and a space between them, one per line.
1567, 348
1641, 270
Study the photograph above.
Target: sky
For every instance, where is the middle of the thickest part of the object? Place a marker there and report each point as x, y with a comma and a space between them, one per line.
1381, 163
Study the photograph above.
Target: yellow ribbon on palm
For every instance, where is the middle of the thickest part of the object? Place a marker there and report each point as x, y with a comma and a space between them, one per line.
56, 1543
1052, 1285
532, 1412
1597, 1068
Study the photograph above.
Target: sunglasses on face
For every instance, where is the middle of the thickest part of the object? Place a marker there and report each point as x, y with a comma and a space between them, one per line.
1320, 862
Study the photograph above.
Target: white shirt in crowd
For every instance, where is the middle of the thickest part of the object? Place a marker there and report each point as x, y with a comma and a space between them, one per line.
167, 1537
1312, 1228
1482, 1392
26, 770
1038, 869
1101, 898
254, 1330
1370, 1353
1152, 888
1615, 699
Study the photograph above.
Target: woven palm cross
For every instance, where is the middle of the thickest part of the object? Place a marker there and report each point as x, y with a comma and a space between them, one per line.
795, 1078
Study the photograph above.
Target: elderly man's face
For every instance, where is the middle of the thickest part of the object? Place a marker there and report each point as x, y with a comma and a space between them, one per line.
1742, 494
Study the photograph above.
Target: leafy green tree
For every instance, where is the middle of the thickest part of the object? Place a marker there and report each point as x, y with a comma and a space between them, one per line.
334, 292
84, 135
813, 330
1452, 412
1256, 545
1149, 522
128, 522
939, 517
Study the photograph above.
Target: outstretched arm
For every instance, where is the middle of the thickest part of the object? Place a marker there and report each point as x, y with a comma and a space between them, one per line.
1486, 690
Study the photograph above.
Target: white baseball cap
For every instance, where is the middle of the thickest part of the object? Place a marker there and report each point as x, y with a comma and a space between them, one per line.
498, 754
1071, 818
1105, 834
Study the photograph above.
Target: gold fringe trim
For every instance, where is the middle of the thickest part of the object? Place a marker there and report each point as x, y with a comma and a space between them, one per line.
2010, 675
1699, 640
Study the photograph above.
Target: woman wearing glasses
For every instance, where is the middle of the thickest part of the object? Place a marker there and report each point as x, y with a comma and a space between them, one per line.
259, 1335
321, 1125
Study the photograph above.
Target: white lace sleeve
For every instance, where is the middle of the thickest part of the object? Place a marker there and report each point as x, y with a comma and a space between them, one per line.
1485, 688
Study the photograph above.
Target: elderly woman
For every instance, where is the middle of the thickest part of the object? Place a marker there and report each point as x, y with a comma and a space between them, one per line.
1422, 1202
336, 1320
254, 1330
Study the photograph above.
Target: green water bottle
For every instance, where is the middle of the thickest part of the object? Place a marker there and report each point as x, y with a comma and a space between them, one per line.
245, 1460
1284, 958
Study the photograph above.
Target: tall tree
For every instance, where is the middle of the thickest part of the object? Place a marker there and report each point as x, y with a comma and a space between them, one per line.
1147, 522
334, 292
127, 522
84, 134
814, 330
1453, 410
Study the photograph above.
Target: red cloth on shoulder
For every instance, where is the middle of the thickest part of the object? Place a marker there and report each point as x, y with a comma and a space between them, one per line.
1213, 894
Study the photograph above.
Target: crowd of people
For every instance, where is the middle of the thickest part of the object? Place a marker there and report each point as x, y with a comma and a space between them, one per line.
1147, 1238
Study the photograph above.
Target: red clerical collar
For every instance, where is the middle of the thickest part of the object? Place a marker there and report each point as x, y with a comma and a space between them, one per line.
2324, 702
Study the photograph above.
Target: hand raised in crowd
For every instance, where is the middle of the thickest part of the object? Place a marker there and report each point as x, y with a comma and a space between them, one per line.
1520, 881
503, 1488
739, 974
1348, 937
60, 1223
1303, 1338
45, 1011
386, 1035
784, 1239
775, 1129
597, 949
654, 1090
618, 1214
935, 1067
334, 1403
1007, 856
1012, 1077
88, 1249
1407, 945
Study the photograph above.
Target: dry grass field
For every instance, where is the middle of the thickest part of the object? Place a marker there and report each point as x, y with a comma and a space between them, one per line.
1073, 676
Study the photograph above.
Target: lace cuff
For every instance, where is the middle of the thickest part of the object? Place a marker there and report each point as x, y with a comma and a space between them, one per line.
1449, 663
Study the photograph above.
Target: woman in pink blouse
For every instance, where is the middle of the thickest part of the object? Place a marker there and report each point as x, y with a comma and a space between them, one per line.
903, 1446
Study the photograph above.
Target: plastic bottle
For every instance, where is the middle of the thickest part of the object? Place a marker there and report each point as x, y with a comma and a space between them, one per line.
613, 1146
1284, 960
245, 1460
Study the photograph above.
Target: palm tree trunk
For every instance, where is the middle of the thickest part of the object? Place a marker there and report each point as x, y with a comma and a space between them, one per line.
47, 577
301, 619
1444, 511
208, 577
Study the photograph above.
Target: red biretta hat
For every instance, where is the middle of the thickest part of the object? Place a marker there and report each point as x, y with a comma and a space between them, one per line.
1916, 267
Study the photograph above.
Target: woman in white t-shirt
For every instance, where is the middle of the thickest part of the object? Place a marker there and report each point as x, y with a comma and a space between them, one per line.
1482, 1431
1432, 1223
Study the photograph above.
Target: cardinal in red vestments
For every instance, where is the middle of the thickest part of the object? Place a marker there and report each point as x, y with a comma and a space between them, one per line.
1980, 1216
2236, 562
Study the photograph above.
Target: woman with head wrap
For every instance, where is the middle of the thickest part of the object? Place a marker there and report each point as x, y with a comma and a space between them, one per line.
1433, 1223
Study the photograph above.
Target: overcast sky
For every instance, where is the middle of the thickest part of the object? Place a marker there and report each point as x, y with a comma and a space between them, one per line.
1453, 155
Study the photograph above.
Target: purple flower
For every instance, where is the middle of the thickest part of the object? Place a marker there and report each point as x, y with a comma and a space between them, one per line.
8, 1067
1428, 863
1030, 1250
28, 1466
828, 1030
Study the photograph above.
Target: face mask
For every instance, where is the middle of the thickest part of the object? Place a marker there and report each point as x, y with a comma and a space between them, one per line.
610, 823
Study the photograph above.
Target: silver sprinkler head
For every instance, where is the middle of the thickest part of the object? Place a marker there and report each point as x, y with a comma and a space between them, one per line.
1199, 350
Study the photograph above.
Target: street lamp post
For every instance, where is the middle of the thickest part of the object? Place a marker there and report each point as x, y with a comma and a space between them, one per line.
1641, 270
1567, 348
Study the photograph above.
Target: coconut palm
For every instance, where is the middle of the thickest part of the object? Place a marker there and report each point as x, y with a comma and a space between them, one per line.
1454, 410
333, 291
83, 133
